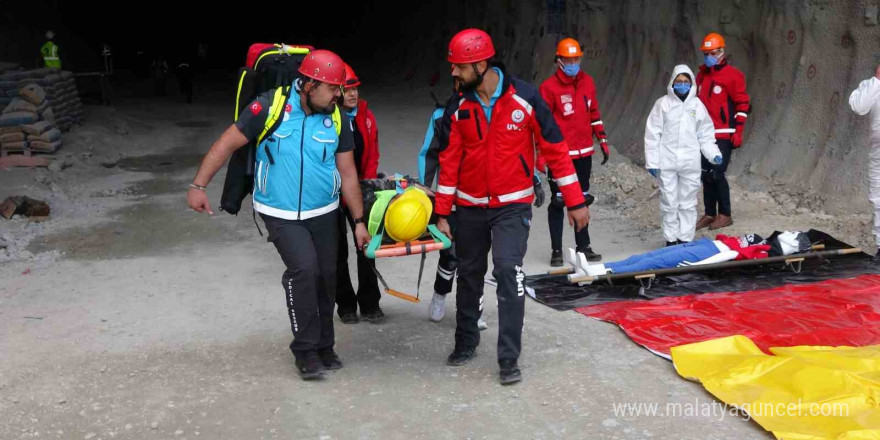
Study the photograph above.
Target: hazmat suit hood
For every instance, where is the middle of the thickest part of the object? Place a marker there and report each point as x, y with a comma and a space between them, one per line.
678, 70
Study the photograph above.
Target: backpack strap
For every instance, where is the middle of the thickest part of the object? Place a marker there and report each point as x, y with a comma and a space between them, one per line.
279, 100
276, 110
242, 75
337, 119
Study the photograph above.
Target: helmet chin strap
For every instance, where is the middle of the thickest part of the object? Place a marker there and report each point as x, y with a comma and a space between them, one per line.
479, 75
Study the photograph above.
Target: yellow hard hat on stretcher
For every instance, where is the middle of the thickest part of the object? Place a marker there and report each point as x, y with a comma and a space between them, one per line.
407, 216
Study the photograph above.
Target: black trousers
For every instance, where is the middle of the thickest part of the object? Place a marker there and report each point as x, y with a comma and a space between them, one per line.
505, 231
367, 296
716, 190
556, 211
448, 263
308, 249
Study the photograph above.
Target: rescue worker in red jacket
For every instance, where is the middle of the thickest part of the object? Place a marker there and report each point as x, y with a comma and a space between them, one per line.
486, 171
571, 95
722, 89
366, 158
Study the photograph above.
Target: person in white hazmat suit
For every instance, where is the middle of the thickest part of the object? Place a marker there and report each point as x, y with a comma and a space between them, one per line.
679, 128
864, 100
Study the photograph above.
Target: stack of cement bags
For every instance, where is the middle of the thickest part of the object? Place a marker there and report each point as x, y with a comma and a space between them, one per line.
60, 93
26, 124
35, 107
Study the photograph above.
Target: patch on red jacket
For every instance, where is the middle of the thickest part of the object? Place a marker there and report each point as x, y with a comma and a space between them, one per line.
256, 108
369, 124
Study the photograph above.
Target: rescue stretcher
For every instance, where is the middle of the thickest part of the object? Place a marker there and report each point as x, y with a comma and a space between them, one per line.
432, 240
577, 275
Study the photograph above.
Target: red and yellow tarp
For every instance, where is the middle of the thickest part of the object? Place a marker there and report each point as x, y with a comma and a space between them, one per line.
798, 393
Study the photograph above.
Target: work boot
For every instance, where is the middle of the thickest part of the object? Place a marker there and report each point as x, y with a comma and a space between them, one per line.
438, 307
591, 256
721, 221
310, 366
461, 356
349, 317
373, 315
510, 373
556, 258
671, 243
705, 221
330, 359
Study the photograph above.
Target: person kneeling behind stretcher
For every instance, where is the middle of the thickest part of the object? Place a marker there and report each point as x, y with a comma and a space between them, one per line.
697, 252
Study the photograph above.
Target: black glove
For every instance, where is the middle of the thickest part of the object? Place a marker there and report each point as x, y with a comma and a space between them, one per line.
539, 192
605, 151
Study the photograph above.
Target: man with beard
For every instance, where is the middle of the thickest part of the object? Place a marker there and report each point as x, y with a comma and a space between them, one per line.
487, 172
300, 171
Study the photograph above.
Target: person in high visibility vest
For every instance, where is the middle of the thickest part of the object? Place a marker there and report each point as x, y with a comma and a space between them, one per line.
49, 50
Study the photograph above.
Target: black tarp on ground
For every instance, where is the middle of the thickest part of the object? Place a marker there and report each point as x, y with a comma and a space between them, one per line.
558, 293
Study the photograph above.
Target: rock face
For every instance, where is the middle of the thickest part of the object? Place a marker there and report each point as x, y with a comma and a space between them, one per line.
801, 60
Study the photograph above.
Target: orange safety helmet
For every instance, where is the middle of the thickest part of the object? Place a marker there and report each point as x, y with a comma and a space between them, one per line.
711, 42
569, 48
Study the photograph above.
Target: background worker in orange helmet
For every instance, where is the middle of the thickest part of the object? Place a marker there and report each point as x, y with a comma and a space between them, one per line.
571, 95
722, 89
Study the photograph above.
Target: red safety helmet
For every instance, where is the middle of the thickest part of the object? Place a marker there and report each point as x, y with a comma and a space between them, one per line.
324, 66
470, 46
351, 80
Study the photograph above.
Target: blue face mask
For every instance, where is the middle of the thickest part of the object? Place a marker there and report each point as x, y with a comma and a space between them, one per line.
681, 88
710, 61
571, 69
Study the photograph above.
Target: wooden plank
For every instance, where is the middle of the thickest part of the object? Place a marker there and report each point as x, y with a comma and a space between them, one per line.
17, 160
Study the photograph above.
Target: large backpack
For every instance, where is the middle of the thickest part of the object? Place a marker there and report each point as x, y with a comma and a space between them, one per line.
268, 67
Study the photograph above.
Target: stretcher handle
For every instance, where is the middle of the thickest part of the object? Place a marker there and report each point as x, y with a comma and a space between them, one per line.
377, 250
415, 248
403, 296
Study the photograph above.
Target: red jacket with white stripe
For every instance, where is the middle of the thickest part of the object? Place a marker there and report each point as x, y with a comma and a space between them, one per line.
575, 107
491, 165
722, 89
366, 126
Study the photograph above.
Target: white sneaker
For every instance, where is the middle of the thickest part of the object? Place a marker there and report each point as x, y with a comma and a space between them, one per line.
481, 324
438, 307
596, 270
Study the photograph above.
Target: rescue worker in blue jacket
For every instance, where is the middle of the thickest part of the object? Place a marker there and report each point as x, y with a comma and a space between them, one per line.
300, 170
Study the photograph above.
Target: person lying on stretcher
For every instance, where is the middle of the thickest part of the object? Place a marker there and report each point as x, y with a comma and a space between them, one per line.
399, 206
698, 252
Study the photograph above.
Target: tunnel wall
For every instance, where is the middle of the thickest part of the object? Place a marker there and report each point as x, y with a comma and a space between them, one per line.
801, 59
